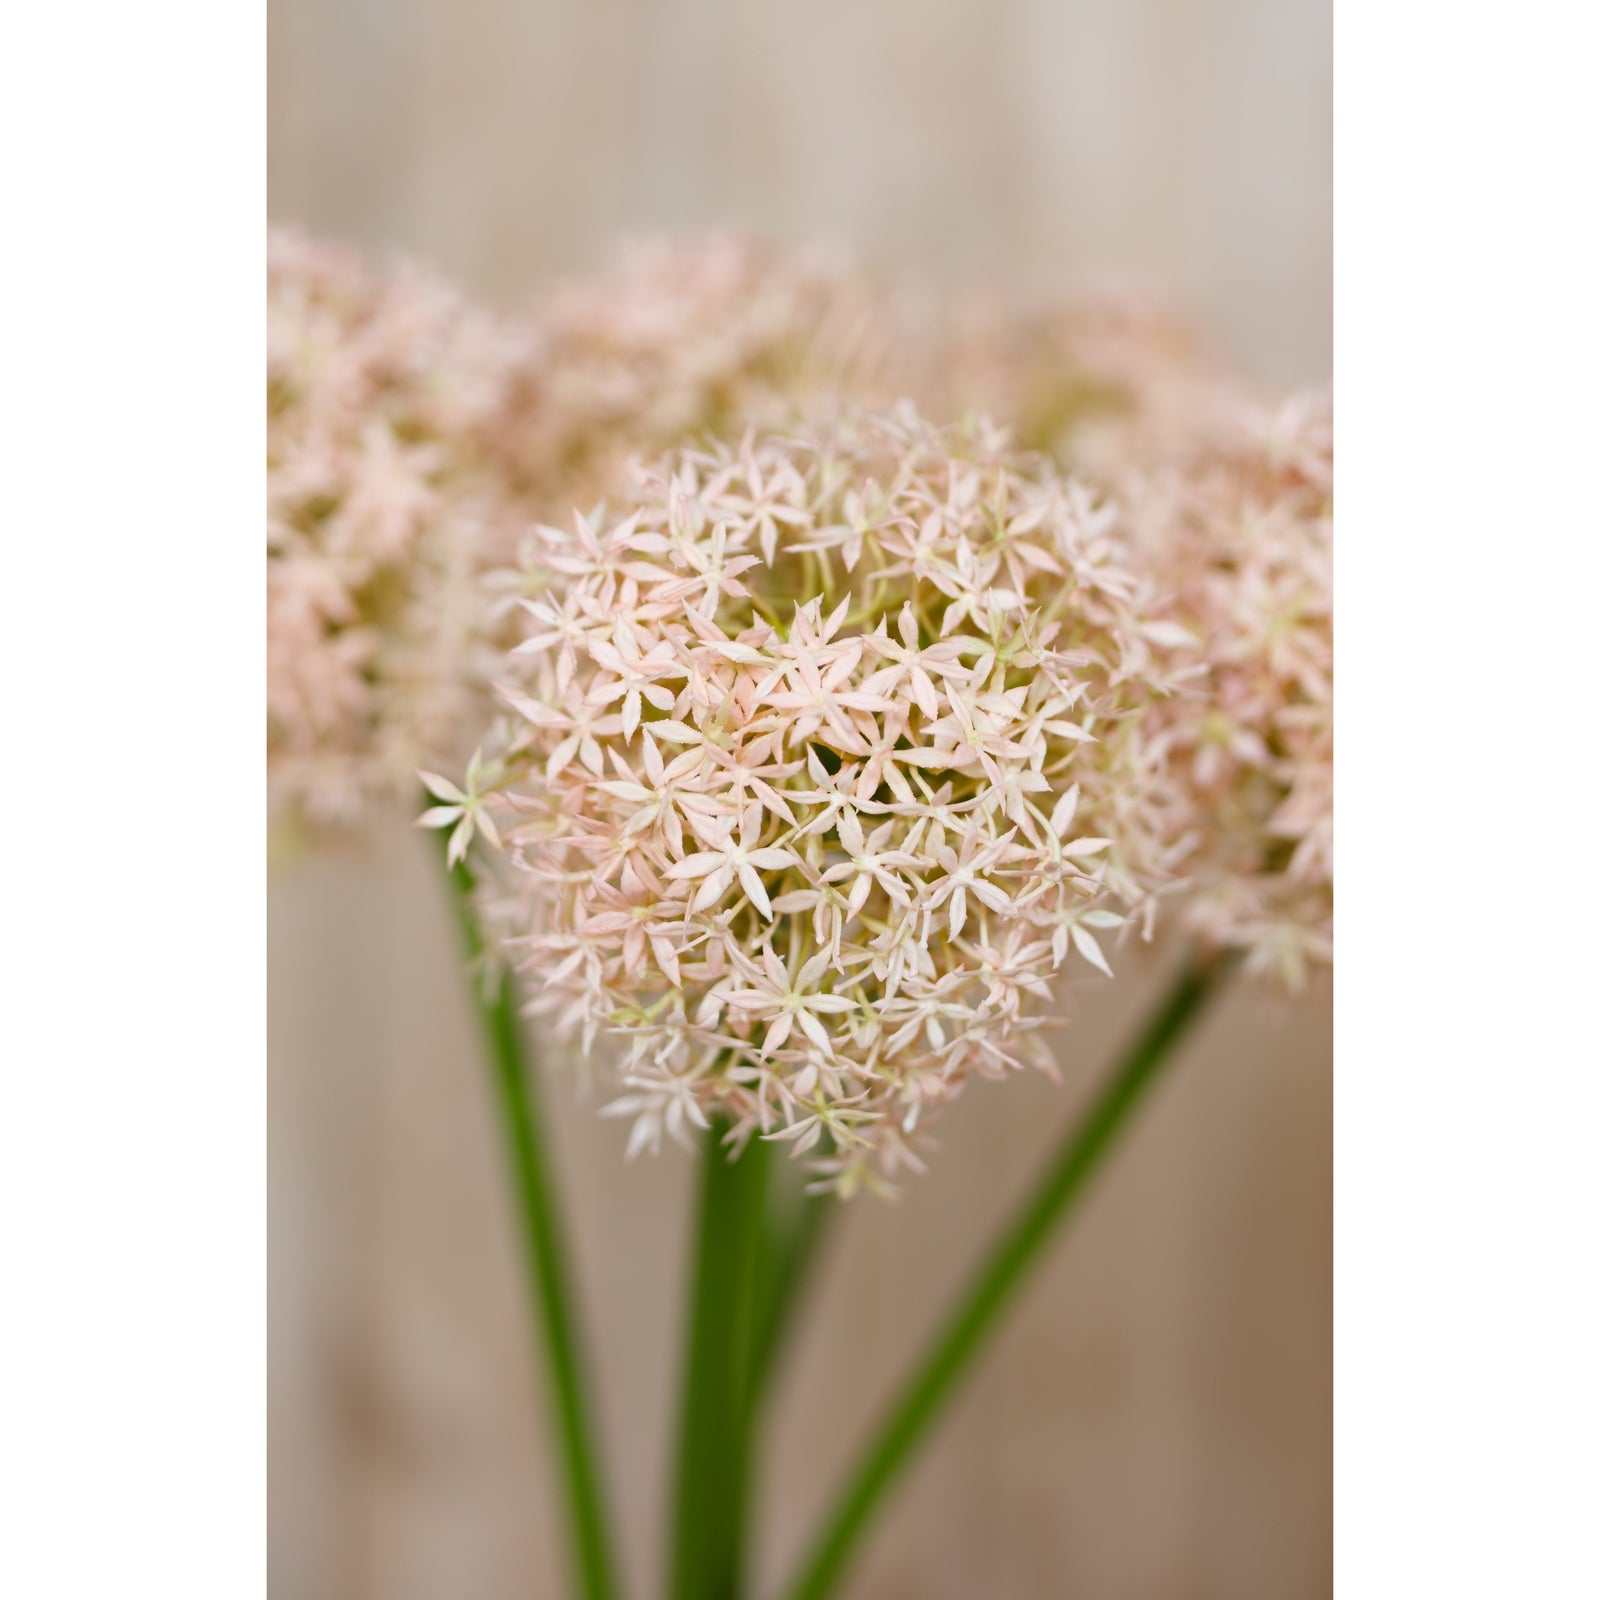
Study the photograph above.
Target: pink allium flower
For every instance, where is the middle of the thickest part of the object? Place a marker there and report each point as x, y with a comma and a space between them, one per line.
1105, 383
683, 339
1240, 526
820, 762
386, 398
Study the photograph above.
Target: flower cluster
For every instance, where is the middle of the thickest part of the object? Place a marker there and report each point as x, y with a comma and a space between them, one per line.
1240, 529
386, 398
1108, 384
817, 765
686, 339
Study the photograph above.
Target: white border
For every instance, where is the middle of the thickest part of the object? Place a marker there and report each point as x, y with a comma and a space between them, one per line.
132, 1125
1468, 631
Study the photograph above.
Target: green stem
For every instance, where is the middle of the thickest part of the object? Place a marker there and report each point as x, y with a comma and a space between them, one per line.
786, 1260
792, 1230
991, 1291
517, 1100
714, 1439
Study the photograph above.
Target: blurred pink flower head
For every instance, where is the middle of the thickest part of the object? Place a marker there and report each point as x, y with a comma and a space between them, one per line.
1106, 382
682, 339
1239, 528
386, 497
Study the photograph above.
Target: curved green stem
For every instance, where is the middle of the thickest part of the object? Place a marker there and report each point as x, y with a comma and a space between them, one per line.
714, 1437
517, 1101
951, 1354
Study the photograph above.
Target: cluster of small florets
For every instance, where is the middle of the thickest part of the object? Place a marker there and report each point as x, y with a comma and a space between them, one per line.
1240, 531
814, 762
681, 340
1109, 383
386, 394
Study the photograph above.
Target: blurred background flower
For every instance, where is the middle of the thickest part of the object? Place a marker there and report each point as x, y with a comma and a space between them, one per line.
388, 496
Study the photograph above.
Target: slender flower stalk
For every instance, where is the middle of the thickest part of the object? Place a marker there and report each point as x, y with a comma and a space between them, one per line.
793, 1237
756, 1238
991, 1292
517, 1102
706, 1558
795, 1225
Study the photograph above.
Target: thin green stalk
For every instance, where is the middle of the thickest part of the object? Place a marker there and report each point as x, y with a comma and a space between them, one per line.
706, 1560
517, 1101
793, 1235
795, 1224
951, 1354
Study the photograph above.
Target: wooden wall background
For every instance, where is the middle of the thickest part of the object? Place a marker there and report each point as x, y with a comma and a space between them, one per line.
1156, 1423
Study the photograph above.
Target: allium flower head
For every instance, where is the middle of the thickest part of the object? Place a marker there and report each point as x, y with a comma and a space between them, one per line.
386, 396
815, 765
1240, 528
1106, 383
685, 338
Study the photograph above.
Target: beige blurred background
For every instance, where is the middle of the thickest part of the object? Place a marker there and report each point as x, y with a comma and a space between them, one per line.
1155, 1423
